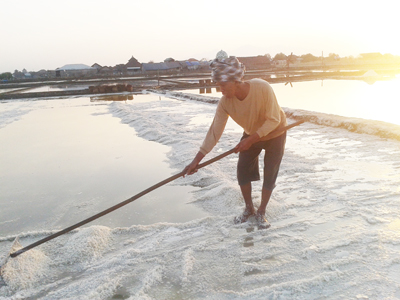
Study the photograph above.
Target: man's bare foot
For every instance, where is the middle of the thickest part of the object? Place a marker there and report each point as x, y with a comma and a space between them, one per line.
262, 222
244, 216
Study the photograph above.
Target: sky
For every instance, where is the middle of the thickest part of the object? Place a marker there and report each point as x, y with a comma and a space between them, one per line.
48, 34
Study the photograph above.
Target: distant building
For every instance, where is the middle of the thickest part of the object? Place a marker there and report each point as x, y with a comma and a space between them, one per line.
75, 70
106, 70
133, 65
27, 75
205, 65
96, 66
164, 66
42, 74
190, 64
280, 63
255, 62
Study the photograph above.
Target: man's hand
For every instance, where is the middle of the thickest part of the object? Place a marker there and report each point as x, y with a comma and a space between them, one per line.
246, 143
192, 167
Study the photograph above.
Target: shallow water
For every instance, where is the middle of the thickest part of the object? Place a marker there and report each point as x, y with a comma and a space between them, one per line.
348, 98
54, 88
65, 160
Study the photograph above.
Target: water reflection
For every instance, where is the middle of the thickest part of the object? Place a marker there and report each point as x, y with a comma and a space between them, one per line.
365, 98
209, 90
111, 98
347, 98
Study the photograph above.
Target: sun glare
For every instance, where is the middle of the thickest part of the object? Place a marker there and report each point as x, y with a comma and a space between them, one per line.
382, 101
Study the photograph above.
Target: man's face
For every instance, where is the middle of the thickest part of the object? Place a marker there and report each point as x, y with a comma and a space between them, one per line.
228, 88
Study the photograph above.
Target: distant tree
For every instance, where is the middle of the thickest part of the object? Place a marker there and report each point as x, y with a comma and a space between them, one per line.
371, 56
292, 58
280, 56
121, 68
333, 56
388, 56
169, 59
268, 56
6, 76
309, 57
18, 74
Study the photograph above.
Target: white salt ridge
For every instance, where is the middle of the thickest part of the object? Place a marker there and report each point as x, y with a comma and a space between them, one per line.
335, 228
373, 127
358, 125
87, 243
24, 271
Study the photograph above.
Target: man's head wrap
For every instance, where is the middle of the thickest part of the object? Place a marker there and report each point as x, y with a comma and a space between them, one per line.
227, 69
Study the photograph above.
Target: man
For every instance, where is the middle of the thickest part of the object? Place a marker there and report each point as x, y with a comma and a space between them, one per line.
251, 104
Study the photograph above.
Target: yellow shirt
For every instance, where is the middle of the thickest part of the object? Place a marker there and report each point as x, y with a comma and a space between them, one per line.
258, 113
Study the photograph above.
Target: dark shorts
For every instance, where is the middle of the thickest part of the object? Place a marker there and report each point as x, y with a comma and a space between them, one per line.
247, 168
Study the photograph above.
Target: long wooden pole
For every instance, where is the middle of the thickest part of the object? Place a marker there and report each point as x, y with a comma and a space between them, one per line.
133, 198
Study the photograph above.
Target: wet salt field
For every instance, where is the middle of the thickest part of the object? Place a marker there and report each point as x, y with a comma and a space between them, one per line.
334, 214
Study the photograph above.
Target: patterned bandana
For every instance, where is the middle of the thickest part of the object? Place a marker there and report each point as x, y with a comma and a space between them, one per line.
227, 69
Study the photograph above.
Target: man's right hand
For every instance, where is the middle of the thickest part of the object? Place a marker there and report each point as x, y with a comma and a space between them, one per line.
192, 167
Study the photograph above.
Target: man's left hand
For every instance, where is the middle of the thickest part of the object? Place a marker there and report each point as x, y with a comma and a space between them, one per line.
246, 143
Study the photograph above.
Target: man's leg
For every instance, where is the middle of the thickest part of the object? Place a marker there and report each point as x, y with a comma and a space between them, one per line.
246, 192
249, 210
265, 196
247, 171
274, 150
260, 215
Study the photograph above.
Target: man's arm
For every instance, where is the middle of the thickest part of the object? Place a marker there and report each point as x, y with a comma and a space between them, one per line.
212, 137
272, 112
216, 129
